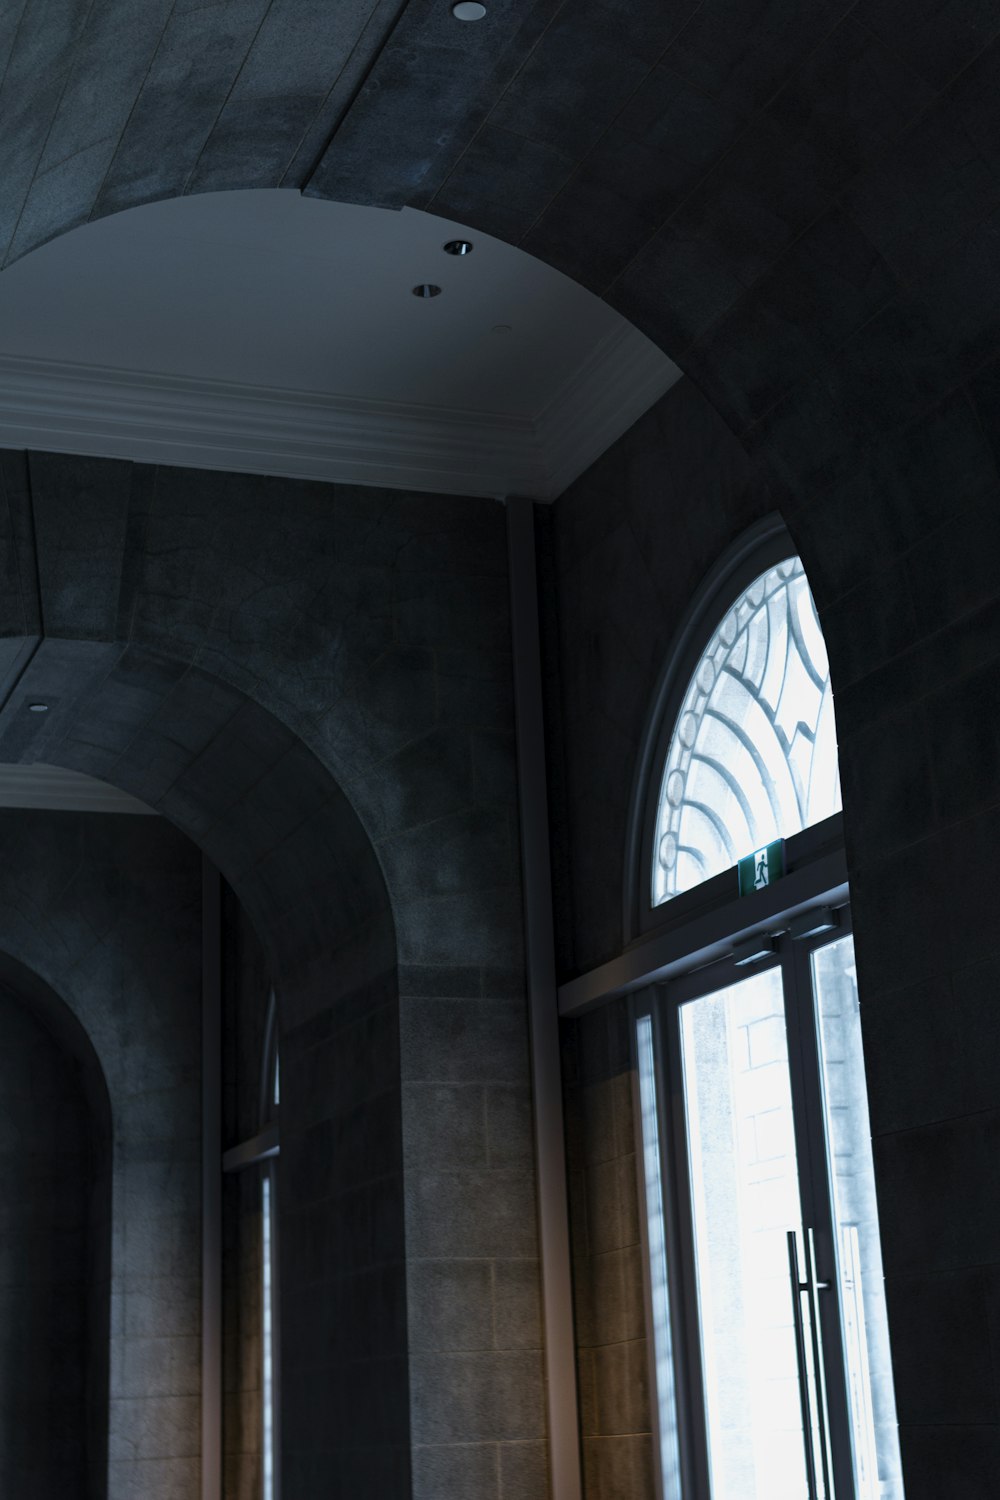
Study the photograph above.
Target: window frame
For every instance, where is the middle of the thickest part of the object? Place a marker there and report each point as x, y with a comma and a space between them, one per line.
259, 1156
679, 927
761, 547
661, 1002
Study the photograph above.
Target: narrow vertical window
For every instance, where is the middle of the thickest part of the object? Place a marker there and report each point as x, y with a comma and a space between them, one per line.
257, 1156
270, 1099
267, 1333
663, 1354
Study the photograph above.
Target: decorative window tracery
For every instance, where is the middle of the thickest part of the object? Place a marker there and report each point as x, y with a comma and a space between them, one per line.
754, 751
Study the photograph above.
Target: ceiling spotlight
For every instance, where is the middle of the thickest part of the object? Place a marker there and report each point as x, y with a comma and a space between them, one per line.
38, 708
468, 10
458, 247
502, 328
426, 289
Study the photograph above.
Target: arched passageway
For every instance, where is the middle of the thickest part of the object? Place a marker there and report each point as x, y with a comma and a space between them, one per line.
55, 1263
311, 885
393, 943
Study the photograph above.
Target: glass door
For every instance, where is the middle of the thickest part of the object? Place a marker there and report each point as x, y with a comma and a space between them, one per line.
778, 1265
744, 1190
857, 1252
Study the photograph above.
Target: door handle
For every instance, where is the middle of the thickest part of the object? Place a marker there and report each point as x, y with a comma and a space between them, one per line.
798, 1288
812, 1287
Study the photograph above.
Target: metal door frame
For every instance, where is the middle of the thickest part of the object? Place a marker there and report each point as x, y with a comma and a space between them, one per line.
662, 1002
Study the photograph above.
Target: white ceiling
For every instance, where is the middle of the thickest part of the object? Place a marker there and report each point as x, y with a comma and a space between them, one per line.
264, 330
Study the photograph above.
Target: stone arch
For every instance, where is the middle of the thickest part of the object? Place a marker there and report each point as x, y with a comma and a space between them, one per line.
200, 679
277, 827
795, 239
788, 224
788, 221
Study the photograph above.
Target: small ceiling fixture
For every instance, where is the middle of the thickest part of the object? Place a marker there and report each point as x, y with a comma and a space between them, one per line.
502, 328
458, 247
468, 10
426, 289
38, 708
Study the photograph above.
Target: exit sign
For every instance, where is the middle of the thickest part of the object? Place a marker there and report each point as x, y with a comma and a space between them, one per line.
762, 868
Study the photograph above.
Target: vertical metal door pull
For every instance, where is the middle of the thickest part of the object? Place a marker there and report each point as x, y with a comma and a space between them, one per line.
798, 1288
814, 1286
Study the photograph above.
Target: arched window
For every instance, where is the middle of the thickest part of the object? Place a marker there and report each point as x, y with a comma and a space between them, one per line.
753, 754
766, 1307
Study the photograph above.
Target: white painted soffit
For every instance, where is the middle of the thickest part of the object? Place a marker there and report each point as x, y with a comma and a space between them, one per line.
268, 333
52, 788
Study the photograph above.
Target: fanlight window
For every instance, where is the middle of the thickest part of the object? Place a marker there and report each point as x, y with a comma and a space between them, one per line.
754, 751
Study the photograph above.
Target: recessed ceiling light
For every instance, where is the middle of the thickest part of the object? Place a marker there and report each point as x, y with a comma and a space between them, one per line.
468, 10
502, 328
426, 289
458, 247
38, 708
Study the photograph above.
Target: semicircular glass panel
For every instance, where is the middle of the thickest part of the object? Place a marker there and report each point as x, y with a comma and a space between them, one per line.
754, 751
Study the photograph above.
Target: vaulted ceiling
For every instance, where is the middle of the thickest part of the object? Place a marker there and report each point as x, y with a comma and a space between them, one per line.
797, 201
266, 332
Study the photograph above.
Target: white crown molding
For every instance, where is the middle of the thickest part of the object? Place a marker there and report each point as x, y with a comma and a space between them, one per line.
73, 408
623, 377
58, 790
67, 408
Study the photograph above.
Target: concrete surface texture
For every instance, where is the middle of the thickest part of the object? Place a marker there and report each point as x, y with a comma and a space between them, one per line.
100, 916
301, 633
901, 563
799, 204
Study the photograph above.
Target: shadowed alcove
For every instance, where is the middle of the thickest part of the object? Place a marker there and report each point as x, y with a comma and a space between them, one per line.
55, 1280
329, 943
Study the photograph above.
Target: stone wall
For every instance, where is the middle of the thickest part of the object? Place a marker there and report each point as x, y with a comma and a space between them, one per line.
314, 683
612, 1349
899, 553
621, 554
106, 913
799, 203
624, 551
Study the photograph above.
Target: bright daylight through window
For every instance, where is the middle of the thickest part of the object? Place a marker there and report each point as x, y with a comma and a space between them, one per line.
766, 1305
754, 753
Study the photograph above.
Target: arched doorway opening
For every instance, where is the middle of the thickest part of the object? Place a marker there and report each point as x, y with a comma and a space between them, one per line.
273, 821
55, 1281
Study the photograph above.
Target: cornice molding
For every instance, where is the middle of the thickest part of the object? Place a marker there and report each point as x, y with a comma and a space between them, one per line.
622, 379
52, 787
74, 408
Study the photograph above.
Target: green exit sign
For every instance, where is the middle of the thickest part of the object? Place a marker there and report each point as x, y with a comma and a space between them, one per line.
762, 868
